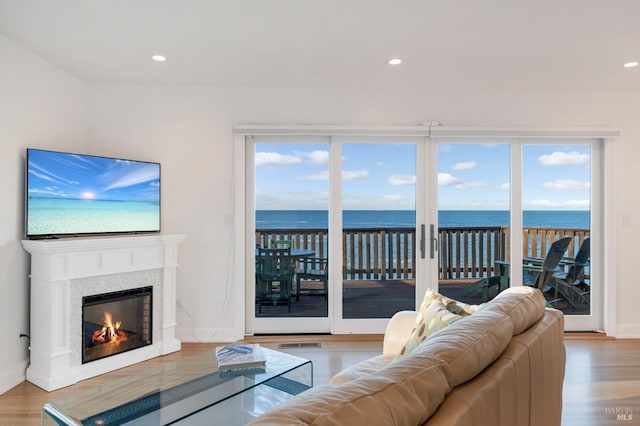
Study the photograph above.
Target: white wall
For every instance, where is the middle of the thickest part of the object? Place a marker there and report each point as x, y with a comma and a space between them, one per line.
40, 107
190, 131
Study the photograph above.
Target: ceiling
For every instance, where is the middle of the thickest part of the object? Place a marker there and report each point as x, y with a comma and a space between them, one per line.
531, 44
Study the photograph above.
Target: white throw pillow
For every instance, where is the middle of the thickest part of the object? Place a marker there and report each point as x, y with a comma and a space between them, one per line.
436, 312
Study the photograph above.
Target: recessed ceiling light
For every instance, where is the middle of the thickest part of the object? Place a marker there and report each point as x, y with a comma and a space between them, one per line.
159, 58
395, 61
631, 64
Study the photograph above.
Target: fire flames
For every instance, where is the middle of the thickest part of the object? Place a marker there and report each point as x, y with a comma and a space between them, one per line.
109, 331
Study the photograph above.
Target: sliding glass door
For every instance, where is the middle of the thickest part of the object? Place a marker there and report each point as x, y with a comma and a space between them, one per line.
474, 182
290, 234
557, 200
519, 212
367, 223
345, 209
379, 240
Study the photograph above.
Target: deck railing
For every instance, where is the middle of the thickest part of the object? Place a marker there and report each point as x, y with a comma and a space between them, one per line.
389, 253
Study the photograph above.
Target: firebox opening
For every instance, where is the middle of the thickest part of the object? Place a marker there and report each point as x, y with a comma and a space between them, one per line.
116, 322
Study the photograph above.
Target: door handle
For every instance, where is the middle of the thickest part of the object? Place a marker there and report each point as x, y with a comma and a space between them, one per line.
422, 241
432, 241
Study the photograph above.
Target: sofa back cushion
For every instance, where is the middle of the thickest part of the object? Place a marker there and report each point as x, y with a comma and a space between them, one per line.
408, 392
522, 387
525, 305
469, 345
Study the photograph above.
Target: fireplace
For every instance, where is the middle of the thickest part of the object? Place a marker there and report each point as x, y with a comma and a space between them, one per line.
116, 322
131, 278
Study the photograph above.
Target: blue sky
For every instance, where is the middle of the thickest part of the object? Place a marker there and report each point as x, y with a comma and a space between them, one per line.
382, 177
71, 176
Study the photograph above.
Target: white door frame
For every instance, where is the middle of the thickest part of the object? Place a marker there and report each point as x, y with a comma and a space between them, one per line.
599, 213
267, 325
244, 271
340, 325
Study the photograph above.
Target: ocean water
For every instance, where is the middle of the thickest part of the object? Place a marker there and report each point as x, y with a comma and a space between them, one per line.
292, 219
48, 216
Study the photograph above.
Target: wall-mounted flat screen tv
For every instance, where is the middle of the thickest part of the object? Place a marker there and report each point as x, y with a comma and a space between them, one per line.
74, 195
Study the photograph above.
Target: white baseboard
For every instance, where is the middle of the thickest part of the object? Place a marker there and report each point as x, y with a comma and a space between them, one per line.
627, 331
208, 335
13, 377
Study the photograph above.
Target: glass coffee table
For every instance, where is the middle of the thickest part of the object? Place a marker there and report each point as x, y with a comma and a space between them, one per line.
189, 391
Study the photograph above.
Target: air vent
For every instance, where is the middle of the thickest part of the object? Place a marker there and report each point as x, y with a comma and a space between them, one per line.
298, 345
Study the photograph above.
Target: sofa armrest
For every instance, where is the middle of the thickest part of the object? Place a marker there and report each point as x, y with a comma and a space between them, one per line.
398, 331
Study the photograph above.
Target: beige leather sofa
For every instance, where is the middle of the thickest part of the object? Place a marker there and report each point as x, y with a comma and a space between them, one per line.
503, 365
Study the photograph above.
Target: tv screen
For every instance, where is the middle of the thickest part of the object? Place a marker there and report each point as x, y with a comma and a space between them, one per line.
74, 194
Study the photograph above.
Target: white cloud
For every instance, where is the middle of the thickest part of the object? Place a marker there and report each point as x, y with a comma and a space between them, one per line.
42, 175
467, 165
472, 184
47, 175
504, 186
550, 204
564, 159
578, 204
378, 202
399, 180
446, 179
323, 175
543, 203
141, 175
346, 175
275, 158
466, 204
354, 174
566, 184
316, 157
51, 191
292, 200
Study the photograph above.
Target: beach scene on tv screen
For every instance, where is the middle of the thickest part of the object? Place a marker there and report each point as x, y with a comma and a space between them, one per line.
78, 194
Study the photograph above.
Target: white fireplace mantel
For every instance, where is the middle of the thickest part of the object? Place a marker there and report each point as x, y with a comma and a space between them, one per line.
65, 270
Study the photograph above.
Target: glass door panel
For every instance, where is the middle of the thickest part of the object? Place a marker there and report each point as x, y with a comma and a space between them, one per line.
473, 220
378, 229
291, 223
556, 195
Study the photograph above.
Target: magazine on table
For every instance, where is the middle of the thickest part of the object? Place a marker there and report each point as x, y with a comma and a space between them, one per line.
240, 356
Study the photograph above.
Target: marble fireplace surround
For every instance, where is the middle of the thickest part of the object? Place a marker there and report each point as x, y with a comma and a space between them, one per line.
65, 270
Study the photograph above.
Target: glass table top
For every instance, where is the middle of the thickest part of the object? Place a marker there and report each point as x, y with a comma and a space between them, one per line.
178, 389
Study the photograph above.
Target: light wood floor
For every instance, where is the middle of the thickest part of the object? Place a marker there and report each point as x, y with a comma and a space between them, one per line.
602, 376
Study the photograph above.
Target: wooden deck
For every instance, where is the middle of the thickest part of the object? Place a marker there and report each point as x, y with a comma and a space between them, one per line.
378, 265
378, 299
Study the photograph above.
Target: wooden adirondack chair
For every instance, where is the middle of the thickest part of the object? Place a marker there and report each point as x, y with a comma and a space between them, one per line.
534, 275
274, 265
281, 244
312, 269
571, 284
